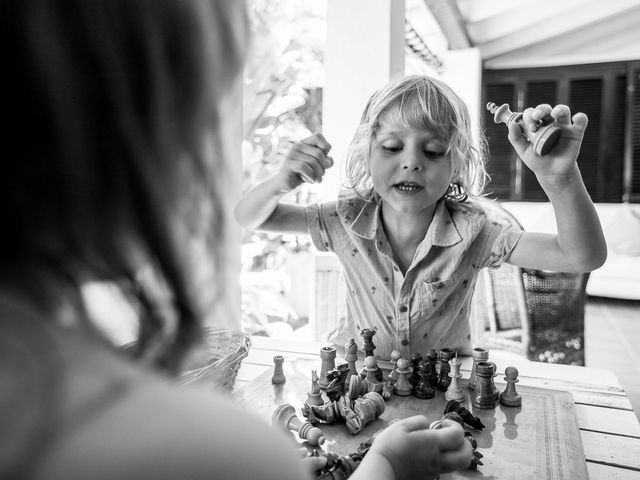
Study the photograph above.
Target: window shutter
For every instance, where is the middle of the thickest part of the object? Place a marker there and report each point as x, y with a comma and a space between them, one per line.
501, 157
536, 94
633, 163
585, 95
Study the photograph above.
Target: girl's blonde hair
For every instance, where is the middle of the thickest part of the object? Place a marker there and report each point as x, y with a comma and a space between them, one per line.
420, 102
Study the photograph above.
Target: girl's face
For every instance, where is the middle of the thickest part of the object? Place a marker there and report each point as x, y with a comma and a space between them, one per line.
408, 167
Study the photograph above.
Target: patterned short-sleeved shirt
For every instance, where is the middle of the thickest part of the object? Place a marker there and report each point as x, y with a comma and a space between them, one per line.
428, 307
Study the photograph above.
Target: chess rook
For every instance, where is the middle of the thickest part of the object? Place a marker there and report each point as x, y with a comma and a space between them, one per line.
278, 374
484, 397
328, 357
479, 354
542, 140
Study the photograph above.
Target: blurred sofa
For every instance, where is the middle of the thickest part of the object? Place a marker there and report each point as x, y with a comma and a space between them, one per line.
619, 277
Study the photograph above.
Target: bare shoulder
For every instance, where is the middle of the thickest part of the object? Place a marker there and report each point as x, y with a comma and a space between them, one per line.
165, 432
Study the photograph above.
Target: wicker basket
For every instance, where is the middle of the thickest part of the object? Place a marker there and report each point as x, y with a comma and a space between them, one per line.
217, 361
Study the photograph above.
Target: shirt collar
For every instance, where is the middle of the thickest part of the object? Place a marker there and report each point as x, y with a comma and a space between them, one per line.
362, 217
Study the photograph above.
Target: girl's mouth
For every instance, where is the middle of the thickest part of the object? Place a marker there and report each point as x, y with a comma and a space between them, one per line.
407, 187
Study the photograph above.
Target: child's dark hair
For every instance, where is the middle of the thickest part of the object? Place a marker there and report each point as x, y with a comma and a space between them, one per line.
112, 158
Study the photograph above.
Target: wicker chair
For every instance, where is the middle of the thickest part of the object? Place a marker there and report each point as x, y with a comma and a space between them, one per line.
538, 314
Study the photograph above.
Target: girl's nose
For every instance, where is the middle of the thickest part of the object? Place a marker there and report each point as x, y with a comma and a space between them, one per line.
411, 163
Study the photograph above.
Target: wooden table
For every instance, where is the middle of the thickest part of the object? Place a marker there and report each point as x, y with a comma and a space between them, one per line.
608, 427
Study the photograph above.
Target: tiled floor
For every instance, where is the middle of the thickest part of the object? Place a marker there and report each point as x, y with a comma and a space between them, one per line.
612, 341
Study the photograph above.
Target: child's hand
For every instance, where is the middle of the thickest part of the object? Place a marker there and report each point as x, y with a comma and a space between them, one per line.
414, 451
561, 161
306, 161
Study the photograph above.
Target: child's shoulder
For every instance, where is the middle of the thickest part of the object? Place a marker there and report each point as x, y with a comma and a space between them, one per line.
472, 207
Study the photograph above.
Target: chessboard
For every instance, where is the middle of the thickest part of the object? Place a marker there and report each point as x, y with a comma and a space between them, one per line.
539, 439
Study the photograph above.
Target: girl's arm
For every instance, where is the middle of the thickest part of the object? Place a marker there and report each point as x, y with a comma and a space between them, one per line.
260, 207
579, 245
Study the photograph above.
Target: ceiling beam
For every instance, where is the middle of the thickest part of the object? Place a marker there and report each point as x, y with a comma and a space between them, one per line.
448, 16
555, 26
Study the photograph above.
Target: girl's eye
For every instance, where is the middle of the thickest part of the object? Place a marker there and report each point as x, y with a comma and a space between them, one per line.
392, 148
433, 153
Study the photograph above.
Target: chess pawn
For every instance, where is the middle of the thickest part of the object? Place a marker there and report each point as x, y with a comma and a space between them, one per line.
454, 392
432, 358
423, 388
371, 366
314, 396
402, 386
542, 140
484, 396
393, 374
351, 356
285, 417
510, 397
444, 380
278, 374
414, 378
328, 357
478, 354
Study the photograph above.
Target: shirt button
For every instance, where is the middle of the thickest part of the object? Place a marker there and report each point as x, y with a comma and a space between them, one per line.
395, 268
404, 342
403, 308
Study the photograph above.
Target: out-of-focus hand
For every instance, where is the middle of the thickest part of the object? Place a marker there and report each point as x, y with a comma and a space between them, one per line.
306, 161
414, 451
312, 464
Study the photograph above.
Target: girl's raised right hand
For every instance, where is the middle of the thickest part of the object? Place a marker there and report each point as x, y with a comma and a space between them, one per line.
306, 161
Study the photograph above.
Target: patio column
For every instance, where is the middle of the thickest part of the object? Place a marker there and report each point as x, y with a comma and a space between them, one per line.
364, 50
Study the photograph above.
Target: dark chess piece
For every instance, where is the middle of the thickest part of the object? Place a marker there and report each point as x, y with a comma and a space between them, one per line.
368, 345
510, 397
432, 358
337, 381
351, 356
543, 140
314, 396
414, 378
484, 396
285, 417
278, 374
479, 354
328, 357
423, 388
402, 386
466, 415
475, 459
444, 380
